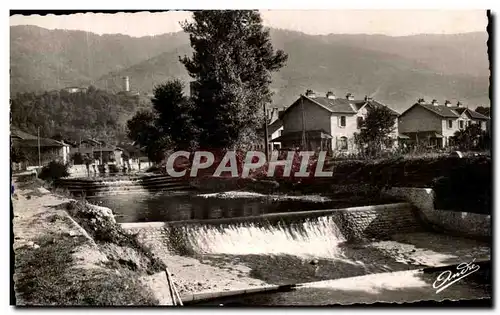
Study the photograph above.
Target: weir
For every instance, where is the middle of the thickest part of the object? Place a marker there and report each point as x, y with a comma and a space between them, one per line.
305, 234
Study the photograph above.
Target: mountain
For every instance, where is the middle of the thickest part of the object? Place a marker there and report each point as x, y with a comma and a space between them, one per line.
42, 59
395, 70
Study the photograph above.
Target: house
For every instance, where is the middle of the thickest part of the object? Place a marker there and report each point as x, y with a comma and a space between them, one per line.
38, 150
99, 151
327, 122
434, 124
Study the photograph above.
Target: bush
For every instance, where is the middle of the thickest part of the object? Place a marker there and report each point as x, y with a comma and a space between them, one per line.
54, 171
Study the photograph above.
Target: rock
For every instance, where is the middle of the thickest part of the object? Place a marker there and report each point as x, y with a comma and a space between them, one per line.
35, 246
30, 244
72, 233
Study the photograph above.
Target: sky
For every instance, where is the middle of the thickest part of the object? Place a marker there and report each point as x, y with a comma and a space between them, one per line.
387, 22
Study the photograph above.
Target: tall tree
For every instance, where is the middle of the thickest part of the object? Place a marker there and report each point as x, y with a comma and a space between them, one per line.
168, 125
231, 66
175, 114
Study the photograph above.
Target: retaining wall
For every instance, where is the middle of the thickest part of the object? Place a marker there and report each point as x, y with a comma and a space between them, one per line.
463, 223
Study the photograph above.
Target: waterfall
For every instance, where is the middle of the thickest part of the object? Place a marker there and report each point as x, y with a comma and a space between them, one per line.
310, 237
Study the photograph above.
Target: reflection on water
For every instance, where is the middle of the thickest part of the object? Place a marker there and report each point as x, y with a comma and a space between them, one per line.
164, 207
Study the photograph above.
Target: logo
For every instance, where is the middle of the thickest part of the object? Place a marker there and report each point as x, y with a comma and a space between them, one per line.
238, 164
447, 278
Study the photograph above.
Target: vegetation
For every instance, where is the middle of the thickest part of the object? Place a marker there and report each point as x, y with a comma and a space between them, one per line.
54, 171
232, 73
231, 64
375, 131
486, 111
472, 138
46, 276
95, 113
168, 125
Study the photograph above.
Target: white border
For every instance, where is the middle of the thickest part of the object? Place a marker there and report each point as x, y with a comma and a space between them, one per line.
189, 4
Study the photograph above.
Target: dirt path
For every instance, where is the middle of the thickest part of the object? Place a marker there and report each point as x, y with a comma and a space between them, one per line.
52, 250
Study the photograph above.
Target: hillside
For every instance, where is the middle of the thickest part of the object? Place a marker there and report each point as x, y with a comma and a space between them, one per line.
44, 59
396, 70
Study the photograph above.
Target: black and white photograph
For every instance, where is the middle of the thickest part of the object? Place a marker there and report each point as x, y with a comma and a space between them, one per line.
259, 158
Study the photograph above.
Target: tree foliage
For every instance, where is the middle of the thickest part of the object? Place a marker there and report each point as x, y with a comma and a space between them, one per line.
376, 129
231, 66
167, 125
94, 113
486, 111
472, 137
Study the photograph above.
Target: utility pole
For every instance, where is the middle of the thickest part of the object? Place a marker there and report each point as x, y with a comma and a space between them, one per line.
39, 152
266, 140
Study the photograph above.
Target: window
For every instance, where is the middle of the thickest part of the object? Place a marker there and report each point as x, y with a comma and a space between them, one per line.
343, 143
342, 121
360, 122
469, 123
450, 124
461, 122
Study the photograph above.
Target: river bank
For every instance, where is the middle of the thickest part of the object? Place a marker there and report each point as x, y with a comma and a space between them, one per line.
59, 261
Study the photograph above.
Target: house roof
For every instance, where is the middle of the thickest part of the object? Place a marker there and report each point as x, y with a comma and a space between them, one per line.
337, 105
440, 110
448, 111
24, 139
19, 134
340, 105
477, 115
33, 143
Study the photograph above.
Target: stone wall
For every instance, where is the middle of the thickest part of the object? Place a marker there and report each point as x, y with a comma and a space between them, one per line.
463, 223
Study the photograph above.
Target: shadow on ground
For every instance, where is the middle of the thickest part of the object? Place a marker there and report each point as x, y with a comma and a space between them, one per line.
409, 287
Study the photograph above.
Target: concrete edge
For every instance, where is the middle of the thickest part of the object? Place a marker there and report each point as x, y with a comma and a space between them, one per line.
390, 206
197, 297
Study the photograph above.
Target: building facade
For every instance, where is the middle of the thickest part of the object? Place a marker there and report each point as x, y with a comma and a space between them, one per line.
327, 122
434, 125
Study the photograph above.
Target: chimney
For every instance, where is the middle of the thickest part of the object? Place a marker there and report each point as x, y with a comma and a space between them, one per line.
447, 103
421, 101
330, 95
368, 98
435, 102
349, 96
459, 104
126, 84
310, 93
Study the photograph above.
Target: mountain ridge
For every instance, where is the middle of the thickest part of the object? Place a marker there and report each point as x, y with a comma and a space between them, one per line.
395, 70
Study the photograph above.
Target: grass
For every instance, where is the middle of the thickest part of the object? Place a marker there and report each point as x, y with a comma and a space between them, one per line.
46, 276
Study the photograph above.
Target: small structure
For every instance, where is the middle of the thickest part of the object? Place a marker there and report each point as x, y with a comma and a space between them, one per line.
37, 149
